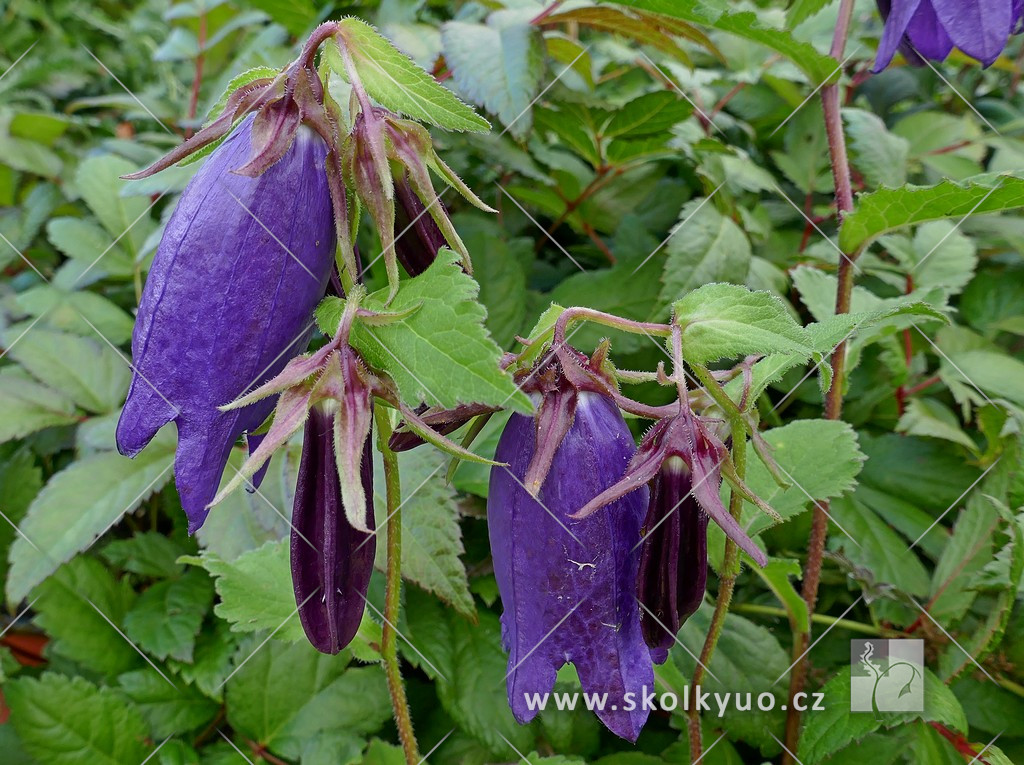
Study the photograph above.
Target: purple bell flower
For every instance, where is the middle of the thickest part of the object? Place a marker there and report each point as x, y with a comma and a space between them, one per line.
569, 587
331, 560
673, 559
229, 300
930, 29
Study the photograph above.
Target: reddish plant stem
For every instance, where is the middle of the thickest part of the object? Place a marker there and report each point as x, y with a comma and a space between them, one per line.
831, 106
546, 12
913, 390
197, 79
959, 742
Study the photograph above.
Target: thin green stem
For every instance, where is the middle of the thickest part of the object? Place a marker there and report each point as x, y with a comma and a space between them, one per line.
393, 590
861, 627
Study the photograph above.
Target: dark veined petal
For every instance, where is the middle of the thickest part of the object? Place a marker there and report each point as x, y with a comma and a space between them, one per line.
331, 561
228, 301
417, 236
568, 586
673, 558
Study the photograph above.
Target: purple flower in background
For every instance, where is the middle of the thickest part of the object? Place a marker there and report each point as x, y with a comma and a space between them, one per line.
228, 302
569, 587
673, 558
930, 29
331, 561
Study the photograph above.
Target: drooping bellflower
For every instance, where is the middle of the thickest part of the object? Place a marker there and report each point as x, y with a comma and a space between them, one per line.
228, 301
681, 460
568, 586
932, 28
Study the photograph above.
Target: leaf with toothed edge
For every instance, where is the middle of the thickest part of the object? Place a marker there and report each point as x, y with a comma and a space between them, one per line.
442, 354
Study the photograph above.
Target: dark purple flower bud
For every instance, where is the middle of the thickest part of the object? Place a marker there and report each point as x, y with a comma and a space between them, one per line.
441, 421
569, 587
331, 561
417, 236
684, 436
932, 28
673, 558
229, 300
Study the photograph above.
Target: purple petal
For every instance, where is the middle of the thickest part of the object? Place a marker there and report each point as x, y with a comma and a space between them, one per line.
228, 301
897, 15
927, 36
568, 586
331, 561
980, 28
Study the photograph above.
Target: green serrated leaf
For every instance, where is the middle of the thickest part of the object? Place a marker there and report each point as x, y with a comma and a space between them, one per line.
98, 181
879, 155
836, 727
167, 710
710, 247
930, 417
74, 607
78, 504
726, 320
64, 721
885, 210
29, 406
431, 537
166, 618
442, 354
86, 369
148, 553
85, 241
398, 83
498, 64
647, 115
255, 591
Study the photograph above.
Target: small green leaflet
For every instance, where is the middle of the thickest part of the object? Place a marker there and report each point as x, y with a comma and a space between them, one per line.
166, 618
29, 406
398, 83
885, 210
725, 321
444, 340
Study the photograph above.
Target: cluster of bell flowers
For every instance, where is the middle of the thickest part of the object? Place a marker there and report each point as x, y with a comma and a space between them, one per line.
599, 546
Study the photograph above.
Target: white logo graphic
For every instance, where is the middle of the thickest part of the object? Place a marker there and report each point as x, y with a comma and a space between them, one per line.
886, 675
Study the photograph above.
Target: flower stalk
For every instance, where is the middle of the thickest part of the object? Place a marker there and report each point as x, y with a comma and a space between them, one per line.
831, 106
393, 590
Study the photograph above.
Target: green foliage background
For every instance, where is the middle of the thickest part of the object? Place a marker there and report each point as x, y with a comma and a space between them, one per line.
634, 158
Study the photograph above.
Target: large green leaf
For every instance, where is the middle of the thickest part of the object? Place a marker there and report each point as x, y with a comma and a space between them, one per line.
431, 537
82, 607
90, 372
78, 504
64, 721
28, 406
440, 354
836, 727
706, 246
498, 64
885, 210
726, 321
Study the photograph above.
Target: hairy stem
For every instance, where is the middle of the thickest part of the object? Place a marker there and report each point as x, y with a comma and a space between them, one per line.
730, 561
831, 106
393, 590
